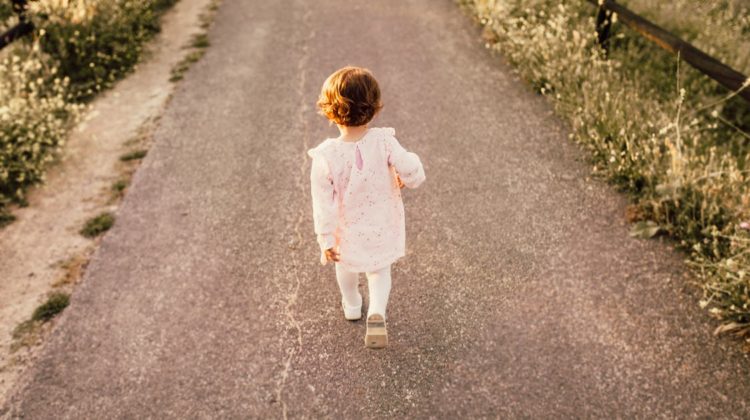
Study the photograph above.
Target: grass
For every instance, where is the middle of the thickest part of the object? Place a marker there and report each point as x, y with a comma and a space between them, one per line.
27, 333
73, 269
178, 72
670, 138
25, 328
134, 155
55, 304
118, 187
200, 41
98, 225
197, 45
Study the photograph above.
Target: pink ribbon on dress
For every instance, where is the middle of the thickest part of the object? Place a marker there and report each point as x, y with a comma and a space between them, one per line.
358, 159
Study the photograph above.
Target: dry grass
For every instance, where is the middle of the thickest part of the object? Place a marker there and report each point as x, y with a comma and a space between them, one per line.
73, 270
669, 137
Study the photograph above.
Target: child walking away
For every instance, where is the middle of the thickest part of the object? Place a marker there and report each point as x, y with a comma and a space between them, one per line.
356, 194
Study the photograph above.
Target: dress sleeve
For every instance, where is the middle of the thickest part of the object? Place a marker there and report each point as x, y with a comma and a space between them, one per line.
325, 208
407, 164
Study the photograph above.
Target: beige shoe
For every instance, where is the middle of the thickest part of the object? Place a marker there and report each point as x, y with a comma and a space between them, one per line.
351, 313
376, 337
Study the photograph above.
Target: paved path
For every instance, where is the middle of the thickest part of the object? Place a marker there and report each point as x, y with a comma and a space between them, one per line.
521, 295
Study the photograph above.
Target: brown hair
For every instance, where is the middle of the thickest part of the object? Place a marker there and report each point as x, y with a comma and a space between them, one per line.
350, 96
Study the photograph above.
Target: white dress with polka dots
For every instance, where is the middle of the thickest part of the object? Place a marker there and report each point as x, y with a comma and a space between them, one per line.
357, 201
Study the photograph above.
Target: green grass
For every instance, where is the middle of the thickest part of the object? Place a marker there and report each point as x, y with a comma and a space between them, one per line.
178, 72
54, 305
119, 186
200, 41
26, 334
134, 155
98, 225
198, 44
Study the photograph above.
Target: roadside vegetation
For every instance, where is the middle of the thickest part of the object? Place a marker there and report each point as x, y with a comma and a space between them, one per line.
98, 225
27, 332
79, 48
671, 138
198, 44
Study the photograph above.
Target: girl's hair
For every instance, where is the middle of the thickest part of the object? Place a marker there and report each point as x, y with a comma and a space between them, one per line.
350, 97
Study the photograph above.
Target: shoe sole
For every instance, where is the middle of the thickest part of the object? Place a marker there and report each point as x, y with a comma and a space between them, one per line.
377, 336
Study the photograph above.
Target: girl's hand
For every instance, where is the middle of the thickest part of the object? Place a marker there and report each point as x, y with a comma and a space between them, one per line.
399, 181
331, 255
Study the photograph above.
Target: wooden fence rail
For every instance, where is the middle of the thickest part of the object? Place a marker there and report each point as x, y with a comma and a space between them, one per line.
711, 67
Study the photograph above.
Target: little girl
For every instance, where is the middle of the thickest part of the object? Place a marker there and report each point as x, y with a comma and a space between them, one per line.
356, 194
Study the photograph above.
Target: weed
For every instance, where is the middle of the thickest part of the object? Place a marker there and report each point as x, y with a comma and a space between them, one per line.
200, 41
74, 268
55, 304
24, 328
134, 155
179, 70
198, 44
98, 225
119, 186
25, 334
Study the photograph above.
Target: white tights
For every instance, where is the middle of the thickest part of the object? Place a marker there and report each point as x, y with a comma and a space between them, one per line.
378, 284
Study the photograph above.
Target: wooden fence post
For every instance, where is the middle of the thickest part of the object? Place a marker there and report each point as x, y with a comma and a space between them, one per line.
603, 27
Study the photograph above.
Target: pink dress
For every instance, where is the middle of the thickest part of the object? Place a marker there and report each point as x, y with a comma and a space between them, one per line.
356, 199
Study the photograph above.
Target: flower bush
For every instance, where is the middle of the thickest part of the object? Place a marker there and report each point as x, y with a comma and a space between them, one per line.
35, 114
79, 48
671, 138
96, 42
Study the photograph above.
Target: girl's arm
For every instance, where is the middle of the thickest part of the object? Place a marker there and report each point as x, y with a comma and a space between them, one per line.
325, 208
407, 164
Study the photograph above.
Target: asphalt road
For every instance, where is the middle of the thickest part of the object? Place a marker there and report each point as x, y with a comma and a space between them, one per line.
521, 294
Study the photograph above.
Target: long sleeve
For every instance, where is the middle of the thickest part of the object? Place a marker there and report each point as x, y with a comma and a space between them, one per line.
407, 164
325, 207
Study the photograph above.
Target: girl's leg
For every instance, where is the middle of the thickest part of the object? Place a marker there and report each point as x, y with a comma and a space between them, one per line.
349, 286
379, 285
